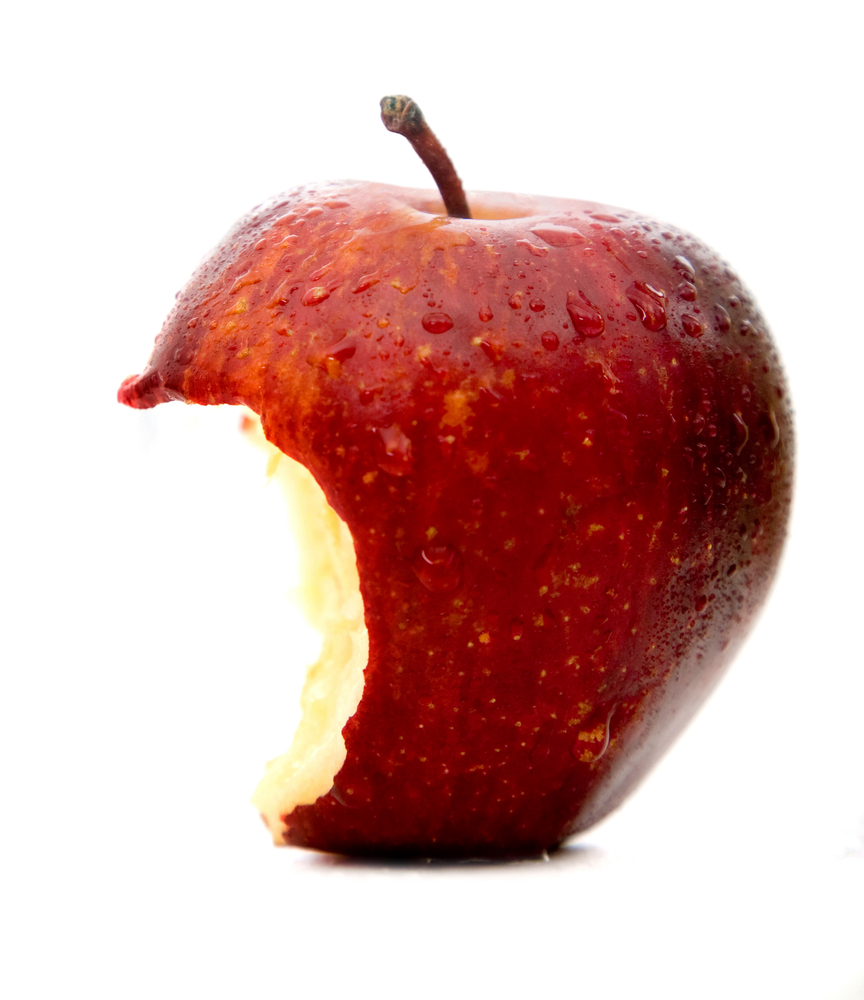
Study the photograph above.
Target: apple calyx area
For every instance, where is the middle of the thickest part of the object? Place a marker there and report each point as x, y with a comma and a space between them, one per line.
559, 438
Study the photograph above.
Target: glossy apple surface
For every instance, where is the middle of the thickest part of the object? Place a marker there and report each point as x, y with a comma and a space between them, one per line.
559, 436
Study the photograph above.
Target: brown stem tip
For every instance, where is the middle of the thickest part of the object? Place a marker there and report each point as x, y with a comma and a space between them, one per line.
401, 114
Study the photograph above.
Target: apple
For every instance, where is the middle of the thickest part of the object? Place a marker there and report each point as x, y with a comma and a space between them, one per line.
544, 455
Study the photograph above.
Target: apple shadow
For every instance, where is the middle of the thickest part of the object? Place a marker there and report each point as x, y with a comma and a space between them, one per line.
566, 855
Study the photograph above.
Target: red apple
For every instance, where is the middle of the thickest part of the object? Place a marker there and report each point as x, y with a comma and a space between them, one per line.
559, 436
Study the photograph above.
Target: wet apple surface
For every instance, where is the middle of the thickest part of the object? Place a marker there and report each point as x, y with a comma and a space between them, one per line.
559, 436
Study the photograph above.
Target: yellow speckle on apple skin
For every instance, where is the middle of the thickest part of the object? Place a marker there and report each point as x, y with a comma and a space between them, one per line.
457, 409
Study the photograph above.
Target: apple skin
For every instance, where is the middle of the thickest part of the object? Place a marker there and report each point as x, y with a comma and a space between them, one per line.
560, 436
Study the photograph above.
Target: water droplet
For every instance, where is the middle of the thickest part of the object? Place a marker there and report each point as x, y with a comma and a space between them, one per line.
592, 742
604, 217
532, 248
723, 320
720, 478
438, 568
485, 314
343, 353
621, 422
701, 602
541, 748
550, 341
331, 359
281, 294
348, 799
692, 326
558, 236
650, 303
317, 275
245, 280
536, 305
515, 300
742, 430
493, 349
366, 282
315, 295
437, 322
687, 292
517, 627
685, 269
770, 428
587, 319
398, 457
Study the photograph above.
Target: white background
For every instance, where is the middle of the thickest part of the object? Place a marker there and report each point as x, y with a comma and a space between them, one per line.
149, 665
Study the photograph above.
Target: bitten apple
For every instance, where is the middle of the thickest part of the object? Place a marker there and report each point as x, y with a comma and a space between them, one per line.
552, 447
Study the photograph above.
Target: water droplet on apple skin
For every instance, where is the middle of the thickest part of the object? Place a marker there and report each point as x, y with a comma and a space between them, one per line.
347, 798
550, 340
586, 318
493, 349
685, 269
342, 352
314, 296
588, 749
438, 568
532, 248
692, 325
650, 303
183, 355
742, 431
541, 748
398, 453
320, 272
557, 236
365, 283
437, 322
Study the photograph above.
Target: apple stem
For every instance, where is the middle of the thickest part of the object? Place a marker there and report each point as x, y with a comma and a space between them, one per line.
401, 114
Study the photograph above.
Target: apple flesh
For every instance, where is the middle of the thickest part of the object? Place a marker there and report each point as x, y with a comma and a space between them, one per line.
558, 442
